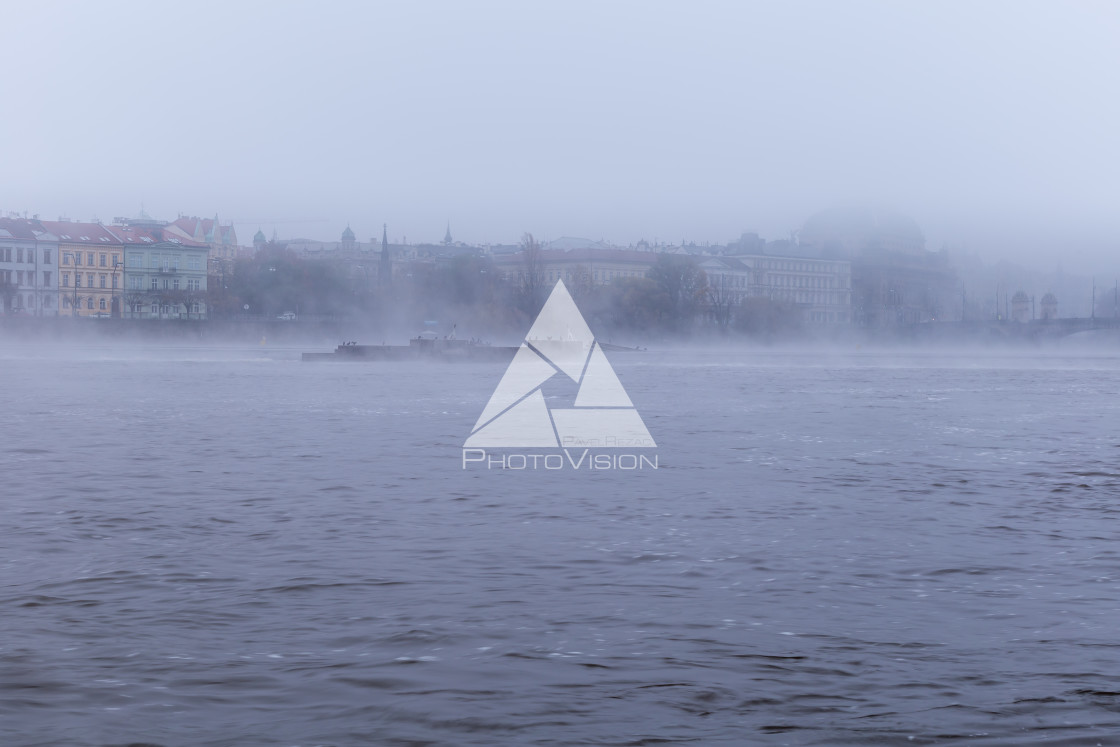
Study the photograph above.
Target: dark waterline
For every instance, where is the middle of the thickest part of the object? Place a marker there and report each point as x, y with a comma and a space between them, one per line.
232, 547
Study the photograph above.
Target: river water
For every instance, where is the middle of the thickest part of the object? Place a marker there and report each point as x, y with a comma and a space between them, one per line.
212, 546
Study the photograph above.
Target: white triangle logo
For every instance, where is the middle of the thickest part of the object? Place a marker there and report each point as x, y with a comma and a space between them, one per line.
559, 342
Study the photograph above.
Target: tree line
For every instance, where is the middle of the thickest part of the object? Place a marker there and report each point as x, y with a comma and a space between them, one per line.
673, 299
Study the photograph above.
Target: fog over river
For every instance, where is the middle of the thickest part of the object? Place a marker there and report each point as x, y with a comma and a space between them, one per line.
224, 546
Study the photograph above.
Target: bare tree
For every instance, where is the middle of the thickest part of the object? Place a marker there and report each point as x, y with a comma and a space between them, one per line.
721, 298
74, 297
8, 291
532, 275
186, 297
134, 300
165, 298
580, 284
684, 283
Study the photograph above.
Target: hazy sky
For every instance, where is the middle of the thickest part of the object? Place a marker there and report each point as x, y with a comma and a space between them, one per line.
996, 125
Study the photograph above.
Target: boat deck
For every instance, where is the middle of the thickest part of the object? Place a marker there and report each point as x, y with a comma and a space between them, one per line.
419, 349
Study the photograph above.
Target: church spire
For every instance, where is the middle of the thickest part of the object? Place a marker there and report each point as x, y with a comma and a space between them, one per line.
447, 236
385, 270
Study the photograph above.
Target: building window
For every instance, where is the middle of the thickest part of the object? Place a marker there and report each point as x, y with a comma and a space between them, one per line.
89, 259
102, 281
77, 280
101, 303
155, 284
77, 259
66, 258
89, 303
104, 260
46, 256
175, 284
31, 256
19, 255
66, 302
114, 282
46, 279
135, 260
89, 280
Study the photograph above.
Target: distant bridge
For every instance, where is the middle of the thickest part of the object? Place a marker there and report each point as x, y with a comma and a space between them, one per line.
1065, 327
1003, 329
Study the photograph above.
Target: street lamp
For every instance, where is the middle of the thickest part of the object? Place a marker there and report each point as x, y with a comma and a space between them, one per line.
116, 305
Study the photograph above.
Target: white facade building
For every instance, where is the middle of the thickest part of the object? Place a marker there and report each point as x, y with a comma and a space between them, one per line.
729, 279
821, 288
28, 269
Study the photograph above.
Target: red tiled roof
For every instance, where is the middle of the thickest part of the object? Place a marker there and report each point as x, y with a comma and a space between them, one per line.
190, 227
18, 228
74, 232
138, 236
194, 226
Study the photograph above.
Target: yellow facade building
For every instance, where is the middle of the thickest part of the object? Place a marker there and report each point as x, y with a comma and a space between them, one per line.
90, 267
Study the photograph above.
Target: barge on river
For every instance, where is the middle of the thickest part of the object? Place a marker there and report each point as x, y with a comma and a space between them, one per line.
418, 348
431, 348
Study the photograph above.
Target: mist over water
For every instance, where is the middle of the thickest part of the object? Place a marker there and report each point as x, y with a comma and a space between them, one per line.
226, 546
854, 264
